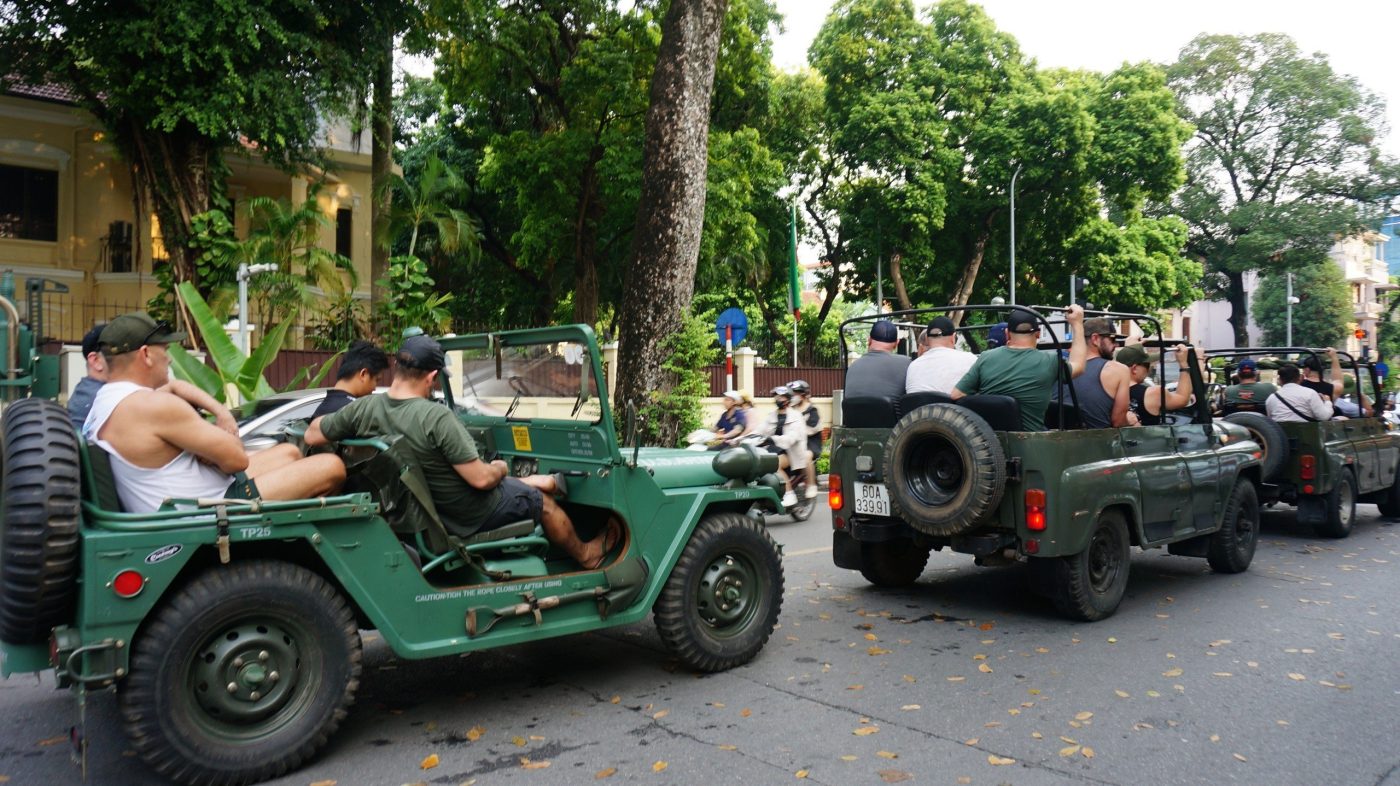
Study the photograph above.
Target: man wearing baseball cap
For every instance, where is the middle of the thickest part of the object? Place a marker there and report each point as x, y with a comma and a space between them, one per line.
1020, 370
879, 373
1102, 391
470, 494
940, 364
1249, 394
162, 449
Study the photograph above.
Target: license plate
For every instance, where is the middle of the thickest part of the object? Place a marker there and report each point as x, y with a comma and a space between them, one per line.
872, 499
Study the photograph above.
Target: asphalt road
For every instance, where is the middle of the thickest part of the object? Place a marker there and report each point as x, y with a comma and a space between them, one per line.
1287, 674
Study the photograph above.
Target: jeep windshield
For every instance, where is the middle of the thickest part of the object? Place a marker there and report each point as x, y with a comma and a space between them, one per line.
551, 380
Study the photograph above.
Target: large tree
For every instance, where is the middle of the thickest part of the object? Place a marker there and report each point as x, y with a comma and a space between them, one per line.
660, 277
1284, 158
1321, 315
178, 84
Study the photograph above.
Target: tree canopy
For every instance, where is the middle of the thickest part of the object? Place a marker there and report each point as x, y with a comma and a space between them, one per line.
1283, 159
1320, 317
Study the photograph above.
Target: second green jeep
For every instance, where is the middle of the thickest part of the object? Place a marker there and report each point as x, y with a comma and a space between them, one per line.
928, 473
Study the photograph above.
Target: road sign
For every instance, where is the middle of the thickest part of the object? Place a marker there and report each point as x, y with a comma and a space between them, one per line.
1382, 370
737, 321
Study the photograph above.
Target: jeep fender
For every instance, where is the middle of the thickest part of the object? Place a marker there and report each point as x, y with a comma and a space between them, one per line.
1085, 491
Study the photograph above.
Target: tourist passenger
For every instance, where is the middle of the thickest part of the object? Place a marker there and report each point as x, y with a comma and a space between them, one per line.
939, 365
788, 434
1249, 394
1022, 371
812, 421
471, 495
879, 373
1330, 389
356, 377
1102, 391
161, 448
1294, 402
1145, 401
733, 422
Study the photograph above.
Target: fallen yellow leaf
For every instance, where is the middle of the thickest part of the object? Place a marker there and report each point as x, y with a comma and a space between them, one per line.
604, 773
520, 742
1215, 738
532, 765
475, 732
53, 741
801, 773
999, 761
718, 704
1041, 650
1112, 639
848, 757
6, 778
877, 651
1241, 758
1153, 694
1173, 673
1069, 750
911, 707
1037, 735
429, 763
745, 712
1296, 676
660, 715
871, 637
1087, 752
887, 754
979, 656
964, 779
984, 668
1014, 711
1222, 674
1083, 716
855, 687
616, 700
1122, 694
972, 741
1067, 739
729, 747
866, 731
659, 766
986, 626
893, 776
956, 679
909, 678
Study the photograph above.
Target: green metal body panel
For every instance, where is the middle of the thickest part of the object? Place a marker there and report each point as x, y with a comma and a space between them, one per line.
1362, 446
1172, 482
661, 499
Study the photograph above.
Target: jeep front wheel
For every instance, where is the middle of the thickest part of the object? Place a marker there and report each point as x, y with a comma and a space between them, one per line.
1231, 548
242, 675
721, 601
1089, 585
893, 563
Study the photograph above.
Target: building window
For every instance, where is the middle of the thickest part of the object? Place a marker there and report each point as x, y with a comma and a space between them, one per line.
344, 219
28, 203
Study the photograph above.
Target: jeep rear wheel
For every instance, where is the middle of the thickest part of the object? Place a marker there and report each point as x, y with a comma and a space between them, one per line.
242, 675
893, 563
721, 601
1339, 508
1231, 548
1089, 585
39, 523
1389, 506
945, 469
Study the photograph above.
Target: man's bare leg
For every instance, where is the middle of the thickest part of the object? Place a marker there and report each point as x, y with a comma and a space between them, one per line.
811, 470
545, 483
559, 529
314, 476
265, 461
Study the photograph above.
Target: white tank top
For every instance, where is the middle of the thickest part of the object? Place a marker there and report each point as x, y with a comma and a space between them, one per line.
143, 490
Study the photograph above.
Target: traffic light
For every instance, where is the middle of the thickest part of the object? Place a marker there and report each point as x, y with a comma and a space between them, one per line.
1360, 333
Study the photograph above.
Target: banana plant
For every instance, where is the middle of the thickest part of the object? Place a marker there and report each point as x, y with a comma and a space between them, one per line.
231, 366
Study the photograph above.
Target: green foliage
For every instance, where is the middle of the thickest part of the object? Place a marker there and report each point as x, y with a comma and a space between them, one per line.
289, 237
231, 367
216, 252
1321, 317
1388, 336
410, 301
1284, 157
688, 352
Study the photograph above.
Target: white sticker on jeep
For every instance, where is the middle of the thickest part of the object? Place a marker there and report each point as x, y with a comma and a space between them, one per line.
163, 553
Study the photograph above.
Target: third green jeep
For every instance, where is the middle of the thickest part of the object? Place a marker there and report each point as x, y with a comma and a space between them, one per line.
927, 473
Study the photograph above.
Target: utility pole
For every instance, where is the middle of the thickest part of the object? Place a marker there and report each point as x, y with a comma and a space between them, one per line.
1013, 233
1289, 300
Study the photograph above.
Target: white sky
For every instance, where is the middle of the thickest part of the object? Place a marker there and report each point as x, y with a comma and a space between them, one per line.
1361, 38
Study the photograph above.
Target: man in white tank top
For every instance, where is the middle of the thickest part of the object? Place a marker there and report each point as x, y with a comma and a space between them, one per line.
161, 448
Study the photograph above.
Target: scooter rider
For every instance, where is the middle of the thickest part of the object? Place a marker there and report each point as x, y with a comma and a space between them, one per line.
788, 435
812, 420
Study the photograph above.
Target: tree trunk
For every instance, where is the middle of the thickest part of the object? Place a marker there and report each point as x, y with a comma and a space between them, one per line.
1239, 309
963, 293
901, 293
660, 279
381, 165
586, 243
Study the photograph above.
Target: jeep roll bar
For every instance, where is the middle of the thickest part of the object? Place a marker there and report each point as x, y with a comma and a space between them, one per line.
1317, 353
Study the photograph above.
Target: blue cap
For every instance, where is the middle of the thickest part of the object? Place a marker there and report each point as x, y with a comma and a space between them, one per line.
1249, 364
996, 336
884, 330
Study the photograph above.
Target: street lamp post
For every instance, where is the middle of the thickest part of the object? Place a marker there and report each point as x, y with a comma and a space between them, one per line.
245, 272
1013, 233
1289, 302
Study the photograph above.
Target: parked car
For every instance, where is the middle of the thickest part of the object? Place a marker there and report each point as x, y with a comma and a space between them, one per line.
261, 423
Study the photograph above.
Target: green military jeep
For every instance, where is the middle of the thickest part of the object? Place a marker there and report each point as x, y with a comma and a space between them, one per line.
1323, 467
926, 472
230, 629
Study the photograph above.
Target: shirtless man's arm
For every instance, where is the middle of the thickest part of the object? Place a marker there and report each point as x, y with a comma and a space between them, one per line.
150, 428
194, 396
1078, 351
1117, 380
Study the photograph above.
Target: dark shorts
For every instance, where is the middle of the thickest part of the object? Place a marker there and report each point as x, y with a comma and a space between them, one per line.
242, 487
519, 501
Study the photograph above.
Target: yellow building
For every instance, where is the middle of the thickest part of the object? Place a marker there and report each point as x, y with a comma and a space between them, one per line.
67, 212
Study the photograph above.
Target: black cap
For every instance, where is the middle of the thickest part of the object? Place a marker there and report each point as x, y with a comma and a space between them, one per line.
92, 340
941, 327
884, 330
130, 332
421, 352
1022, 320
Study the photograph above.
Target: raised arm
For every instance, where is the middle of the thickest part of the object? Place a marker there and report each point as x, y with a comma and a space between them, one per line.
1078, 352
1336, 373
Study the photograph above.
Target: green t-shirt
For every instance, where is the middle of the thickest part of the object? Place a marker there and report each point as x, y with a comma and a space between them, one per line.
436, 439
1249, 392
1027, 375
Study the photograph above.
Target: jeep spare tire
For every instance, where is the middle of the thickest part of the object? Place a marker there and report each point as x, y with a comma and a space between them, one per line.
1270, 437
40, 496
945, 469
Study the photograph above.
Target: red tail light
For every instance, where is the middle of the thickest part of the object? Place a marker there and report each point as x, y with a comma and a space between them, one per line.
1307, 467
128, 584
1035, 510
833, 492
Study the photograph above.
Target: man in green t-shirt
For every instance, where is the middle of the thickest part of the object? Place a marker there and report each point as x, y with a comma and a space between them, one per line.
1250, 393
470, 494
1022, 371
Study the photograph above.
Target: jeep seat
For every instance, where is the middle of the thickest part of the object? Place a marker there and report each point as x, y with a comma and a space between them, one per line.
386, 468
99, 485
912, 401
868, 412
1002, 413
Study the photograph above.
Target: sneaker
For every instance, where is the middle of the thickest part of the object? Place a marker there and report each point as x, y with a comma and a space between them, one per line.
811, 492
789, 499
